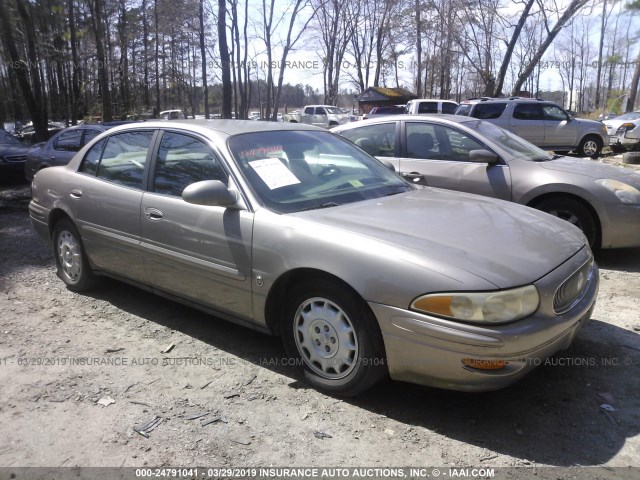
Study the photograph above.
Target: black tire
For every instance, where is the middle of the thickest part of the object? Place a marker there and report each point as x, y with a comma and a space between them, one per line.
321, 350
590, 146
73, 266
574, 212
631, 158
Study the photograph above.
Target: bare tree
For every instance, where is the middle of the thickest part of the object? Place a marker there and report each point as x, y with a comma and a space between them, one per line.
225, 60
574, 7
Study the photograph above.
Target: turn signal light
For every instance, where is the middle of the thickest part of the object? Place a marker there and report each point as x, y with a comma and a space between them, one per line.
484, 364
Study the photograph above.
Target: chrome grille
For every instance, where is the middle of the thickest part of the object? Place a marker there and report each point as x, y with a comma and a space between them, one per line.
15, 158
573, 289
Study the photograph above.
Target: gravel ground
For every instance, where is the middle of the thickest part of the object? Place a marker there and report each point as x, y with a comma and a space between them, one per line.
81, 374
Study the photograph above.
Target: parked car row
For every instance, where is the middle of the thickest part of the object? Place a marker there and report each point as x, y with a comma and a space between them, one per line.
298, 232
471, 155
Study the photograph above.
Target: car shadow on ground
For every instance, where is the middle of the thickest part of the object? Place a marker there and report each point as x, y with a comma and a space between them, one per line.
626, 259
552, 416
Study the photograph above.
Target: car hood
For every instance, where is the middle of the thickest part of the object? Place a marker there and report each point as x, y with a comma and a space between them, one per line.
588, 123
616, 122
504, 243
592, 169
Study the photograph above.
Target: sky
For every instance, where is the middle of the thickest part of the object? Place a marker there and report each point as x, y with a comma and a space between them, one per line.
306, 60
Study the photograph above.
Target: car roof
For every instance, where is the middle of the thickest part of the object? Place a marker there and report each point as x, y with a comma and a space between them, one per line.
224, 126
445, 119
432, 100
475, 101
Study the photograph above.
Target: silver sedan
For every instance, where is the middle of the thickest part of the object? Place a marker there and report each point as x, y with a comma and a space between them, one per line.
292, 230
470, 155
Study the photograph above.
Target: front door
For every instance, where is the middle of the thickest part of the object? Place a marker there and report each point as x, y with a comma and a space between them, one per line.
559, 129
200, 253
438, 156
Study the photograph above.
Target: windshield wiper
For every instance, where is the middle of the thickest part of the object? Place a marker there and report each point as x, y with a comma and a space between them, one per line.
404, 190
316, 207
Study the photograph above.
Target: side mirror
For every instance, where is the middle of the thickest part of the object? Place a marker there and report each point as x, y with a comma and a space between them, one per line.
212, 193
388, 164
483, 156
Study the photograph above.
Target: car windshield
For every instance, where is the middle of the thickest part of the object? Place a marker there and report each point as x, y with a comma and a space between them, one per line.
629, 116
8, 139
516, 146
291, 171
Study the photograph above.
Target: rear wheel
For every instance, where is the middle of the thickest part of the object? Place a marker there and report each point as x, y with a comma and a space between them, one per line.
73, 267
590, 146
336, 338
574, 212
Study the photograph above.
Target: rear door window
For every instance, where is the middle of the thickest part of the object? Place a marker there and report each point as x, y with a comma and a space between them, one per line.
124, 158
528, 111
488, 111
377, 140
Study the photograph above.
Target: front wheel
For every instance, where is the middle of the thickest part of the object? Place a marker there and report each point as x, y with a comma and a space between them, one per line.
73, 267
336, 338
573, 212
590, 146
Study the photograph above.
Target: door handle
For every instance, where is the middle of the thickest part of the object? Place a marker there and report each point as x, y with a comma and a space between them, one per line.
75, 193
152, 213
415, 176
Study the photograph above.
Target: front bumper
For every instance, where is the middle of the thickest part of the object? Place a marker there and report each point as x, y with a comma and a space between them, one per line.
12, 168
620, 226
625, 140
430, 351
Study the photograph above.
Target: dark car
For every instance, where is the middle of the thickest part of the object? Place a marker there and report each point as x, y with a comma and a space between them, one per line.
27, 134
60, 148
12, 155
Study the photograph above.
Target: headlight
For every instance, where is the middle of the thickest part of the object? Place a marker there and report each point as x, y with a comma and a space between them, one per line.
625, 193
482, 307
625, 127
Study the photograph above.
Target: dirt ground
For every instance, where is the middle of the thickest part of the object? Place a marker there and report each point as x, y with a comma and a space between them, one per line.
79, 373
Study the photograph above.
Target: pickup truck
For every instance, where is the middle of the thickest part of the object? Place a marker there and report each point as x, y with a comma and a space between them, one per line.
319, 115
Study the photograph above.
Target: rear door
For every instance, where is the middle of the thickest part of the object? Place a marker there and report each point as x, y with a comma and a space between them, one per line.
106, 198
200, 253
527, 121
438, 156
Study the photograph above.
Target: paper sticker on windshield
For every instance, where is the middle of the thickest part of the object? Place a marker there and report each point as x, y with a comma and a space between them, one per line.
274, 173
